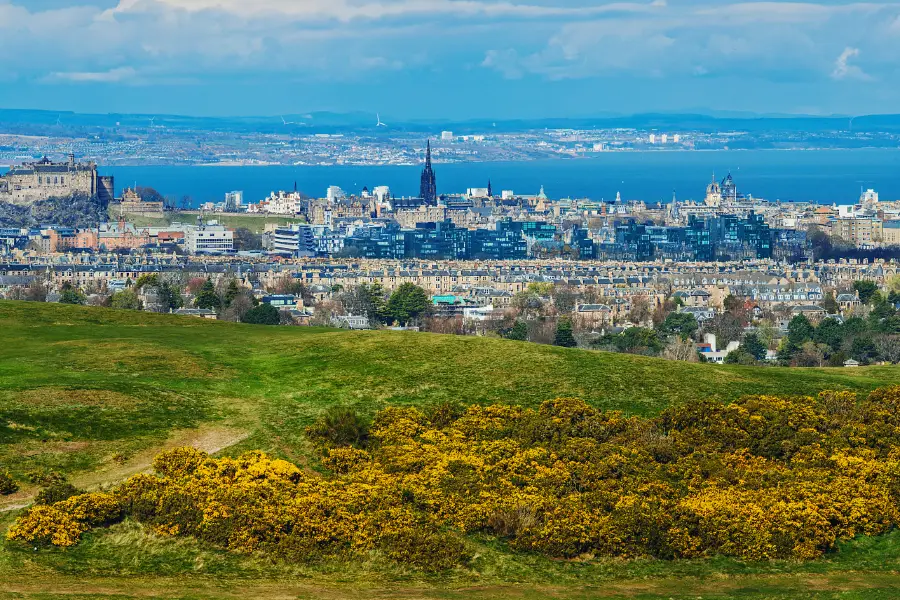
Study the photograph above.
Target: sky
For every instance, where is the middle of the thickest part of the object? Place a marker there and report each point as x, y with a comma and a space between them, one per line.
449, 59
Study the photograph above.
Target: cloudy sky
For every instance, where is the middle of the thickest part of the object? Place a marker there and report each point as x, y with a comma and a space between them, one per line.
449, 58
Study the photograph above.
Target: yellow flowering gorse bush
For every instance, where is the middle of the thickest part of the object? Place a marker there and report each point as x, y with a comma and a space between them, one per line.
763, 478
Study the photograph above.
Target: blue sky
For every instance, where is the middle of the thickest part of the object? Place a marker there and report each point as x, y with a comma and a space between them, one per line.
449, 58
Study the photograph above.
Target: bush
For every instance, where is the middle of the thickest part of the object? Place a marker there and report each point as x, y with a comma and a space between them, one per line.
766, 477
179, 461
46, 526
425, 550
8, 485
340, 426
264, 314
57, 492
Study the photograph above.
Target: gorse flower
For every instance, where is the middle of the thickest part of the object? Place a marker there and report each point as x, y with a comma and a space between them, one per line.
766, 477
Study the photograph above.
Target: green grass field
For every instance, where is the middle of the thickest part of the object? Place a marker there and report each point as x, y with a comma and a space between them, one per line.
94, 393
255, 223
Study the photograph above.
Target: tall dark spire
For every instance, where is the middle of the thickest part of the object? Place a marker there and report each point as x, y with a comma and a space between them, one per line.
490, 191
428, 184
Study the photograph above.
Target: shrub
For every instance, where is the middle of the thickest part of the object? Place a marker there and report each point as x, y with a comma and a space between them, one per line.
179, 461
8, 485
56, 492
340, 426
47, 525
94, 510
425, 550
264, 314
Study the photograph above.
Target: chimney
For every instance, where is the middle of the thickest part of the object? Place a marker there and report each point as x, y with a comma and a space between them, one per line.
71, 159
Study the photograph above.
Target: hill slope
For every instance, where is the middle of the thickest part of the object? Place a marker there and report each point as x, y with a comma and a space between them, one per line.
82, 386
94, 393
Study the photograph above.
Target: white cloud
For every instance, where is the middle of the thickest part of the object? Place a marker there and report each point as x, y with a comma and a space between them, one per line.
844, 70
117, 75
346, 10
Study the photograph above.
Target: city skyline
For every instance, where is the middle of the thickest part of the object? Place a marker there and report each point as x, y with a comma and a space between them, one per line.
449, 59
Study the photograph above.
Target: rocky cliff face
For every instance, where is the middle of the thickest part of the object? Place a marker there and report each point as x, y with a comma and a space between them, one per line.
77, 210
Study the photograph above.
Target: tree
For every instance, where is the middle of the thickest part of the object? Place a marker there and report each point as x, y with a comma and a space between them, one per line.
518, 332
245, 240
564, 335
866, 290
640, 310
126, 300
72, 295
232, 291
726, 327
366, 300
863, 349
831, 333
207, 297
888, 347
753, 346
264, 314
407, 303
682, 324
681, 350
800, 330
36, 292
830, 304
169, 297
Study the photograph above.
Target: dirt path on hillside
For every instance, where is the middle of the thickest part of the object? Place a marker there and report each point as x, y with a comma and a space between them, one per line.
209, 439
666, 587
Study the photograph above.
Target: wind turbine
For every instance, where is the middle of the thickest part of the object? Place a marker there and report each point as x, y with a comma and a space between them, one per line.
286, 123
379, 123
58, 121
851, 124
152, 120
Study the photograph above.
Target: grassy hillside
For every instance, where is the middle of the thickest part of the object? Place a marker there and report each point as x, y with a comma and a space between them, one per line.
94, 393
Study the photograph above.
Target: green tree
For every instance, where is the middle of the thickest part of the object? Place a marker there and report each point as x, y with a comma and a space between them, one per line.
169, 297
366, 300
518, 332
753, 346
207, 297
232, 291
800, 330
682, 324
264, 314
830, 304
408, 303
866, 290
70, 295
831, 333
863, 349
564, 335
126, 300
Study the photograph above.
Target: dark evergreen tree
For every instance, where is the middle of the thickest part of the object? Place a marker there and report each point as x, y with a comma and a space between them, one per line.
264, 314
564, 335
408, 303
518, 332
752, 346
207, 297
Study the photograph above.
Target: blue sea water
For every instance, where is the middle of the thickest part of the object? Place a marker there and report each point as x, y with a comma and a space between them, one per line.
824, 176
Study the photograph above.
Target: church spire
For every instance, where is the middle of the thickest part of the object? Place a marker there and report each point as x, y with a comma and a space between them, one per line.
428, 184
490, 191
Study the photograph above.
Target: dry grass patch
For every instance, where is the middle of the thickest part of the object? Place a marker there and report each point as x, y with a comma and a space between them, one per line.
61, 397
132, 357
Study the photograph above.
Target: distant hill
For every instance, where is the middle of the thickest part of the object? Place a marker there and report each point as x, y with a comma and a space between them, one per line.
39, 122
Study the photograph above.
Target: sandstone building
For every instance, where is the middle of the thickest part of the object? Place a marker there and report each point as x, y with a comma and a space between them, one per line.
45, 179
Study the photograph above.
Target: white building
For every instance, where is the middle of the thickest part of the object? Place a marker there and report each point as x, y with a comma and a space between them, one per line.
447, 136
234, 201
278, 203
652, 138
382, 193
209, 238
335, 193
